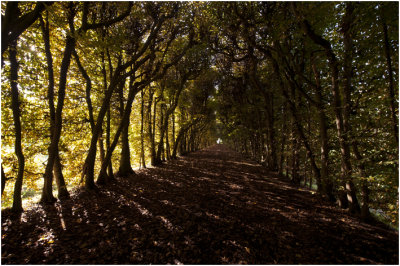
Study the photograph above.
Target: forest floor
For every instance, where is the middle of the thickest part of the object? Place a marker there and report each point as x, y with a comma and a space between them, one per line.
209, 207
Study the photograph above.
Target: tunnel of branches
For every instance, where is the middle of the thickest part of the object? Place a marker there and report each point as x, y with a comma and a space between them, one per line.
95, 91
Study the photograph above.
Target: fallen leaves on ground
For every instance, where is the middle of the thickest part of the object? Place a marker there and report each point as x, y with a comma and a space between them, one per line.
210, 207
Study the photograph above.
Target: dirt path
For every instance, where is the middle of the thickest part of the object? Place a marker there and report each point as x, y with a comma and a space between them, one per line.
210, 207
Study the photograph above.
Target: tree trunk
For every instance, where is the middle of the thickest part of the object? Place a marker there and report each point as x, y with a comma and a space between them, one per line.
180, 139
47, 193
152, 125
150, 128
173, 129
61, 186
88, 168
283, 143
365, 214
110, 174
124, 120
104, 176
390, 79
3, 180
15, 105
88, 89
101, 145
125, 168
158, 160
344, 147
327, 184
168, 149
354, 206
142, 155
268, 97
57, 167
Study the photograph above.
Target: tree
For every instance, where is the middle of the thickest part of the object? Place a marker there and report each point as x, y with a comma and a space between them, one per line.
17, 202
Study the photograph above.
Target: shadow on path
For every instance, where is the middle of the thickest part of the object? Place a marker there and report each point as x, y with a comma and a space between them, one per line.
210, 207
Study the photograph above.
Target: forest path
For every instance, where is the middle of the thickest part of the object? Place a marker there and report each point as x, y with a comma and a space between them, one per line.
209, 207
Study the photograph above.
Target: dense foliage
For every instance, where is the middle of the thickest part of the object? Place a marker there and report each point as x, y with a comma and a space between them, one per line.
92, 89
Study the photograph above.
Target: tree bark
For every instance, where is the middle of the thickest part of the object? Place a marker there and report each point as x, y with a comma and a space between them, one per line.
125, 117
180, 138
160, 145
390, 79
3, 179
150, 127
297, 126
47, 193
354, 206
268, 98
168, 112
110, 174
365, 214
283, 144
15, 106
125, 168
87, 91
88, 168
167, 147
57, 168
344, 146
327, 184
142, 155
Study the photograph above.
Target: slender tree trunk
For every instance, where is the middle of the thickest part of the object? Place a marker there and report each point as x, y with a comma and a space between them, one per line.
168, 149
101, 146
268, 97
180, 139
88, 168
61, 186
153, 136
354, 206
104, 177
173, 129
271, 133
295, 132
47, 193
87, 91
110, 174
57, 167
327, 184
15, 106
163, 112
297, 127
125, 168
3, 179
142, 155
178, 143
390, 79
283, 143
365, 214
344, 146
124, 120
158, 160
150, 128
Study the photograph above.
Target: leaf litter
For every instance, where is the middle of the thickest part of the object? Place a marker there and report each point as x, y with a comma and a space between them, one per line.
198, 209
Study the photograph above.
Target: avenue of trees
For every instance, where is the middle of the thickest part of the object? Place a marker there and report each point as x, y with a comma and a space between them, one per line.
91, 90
